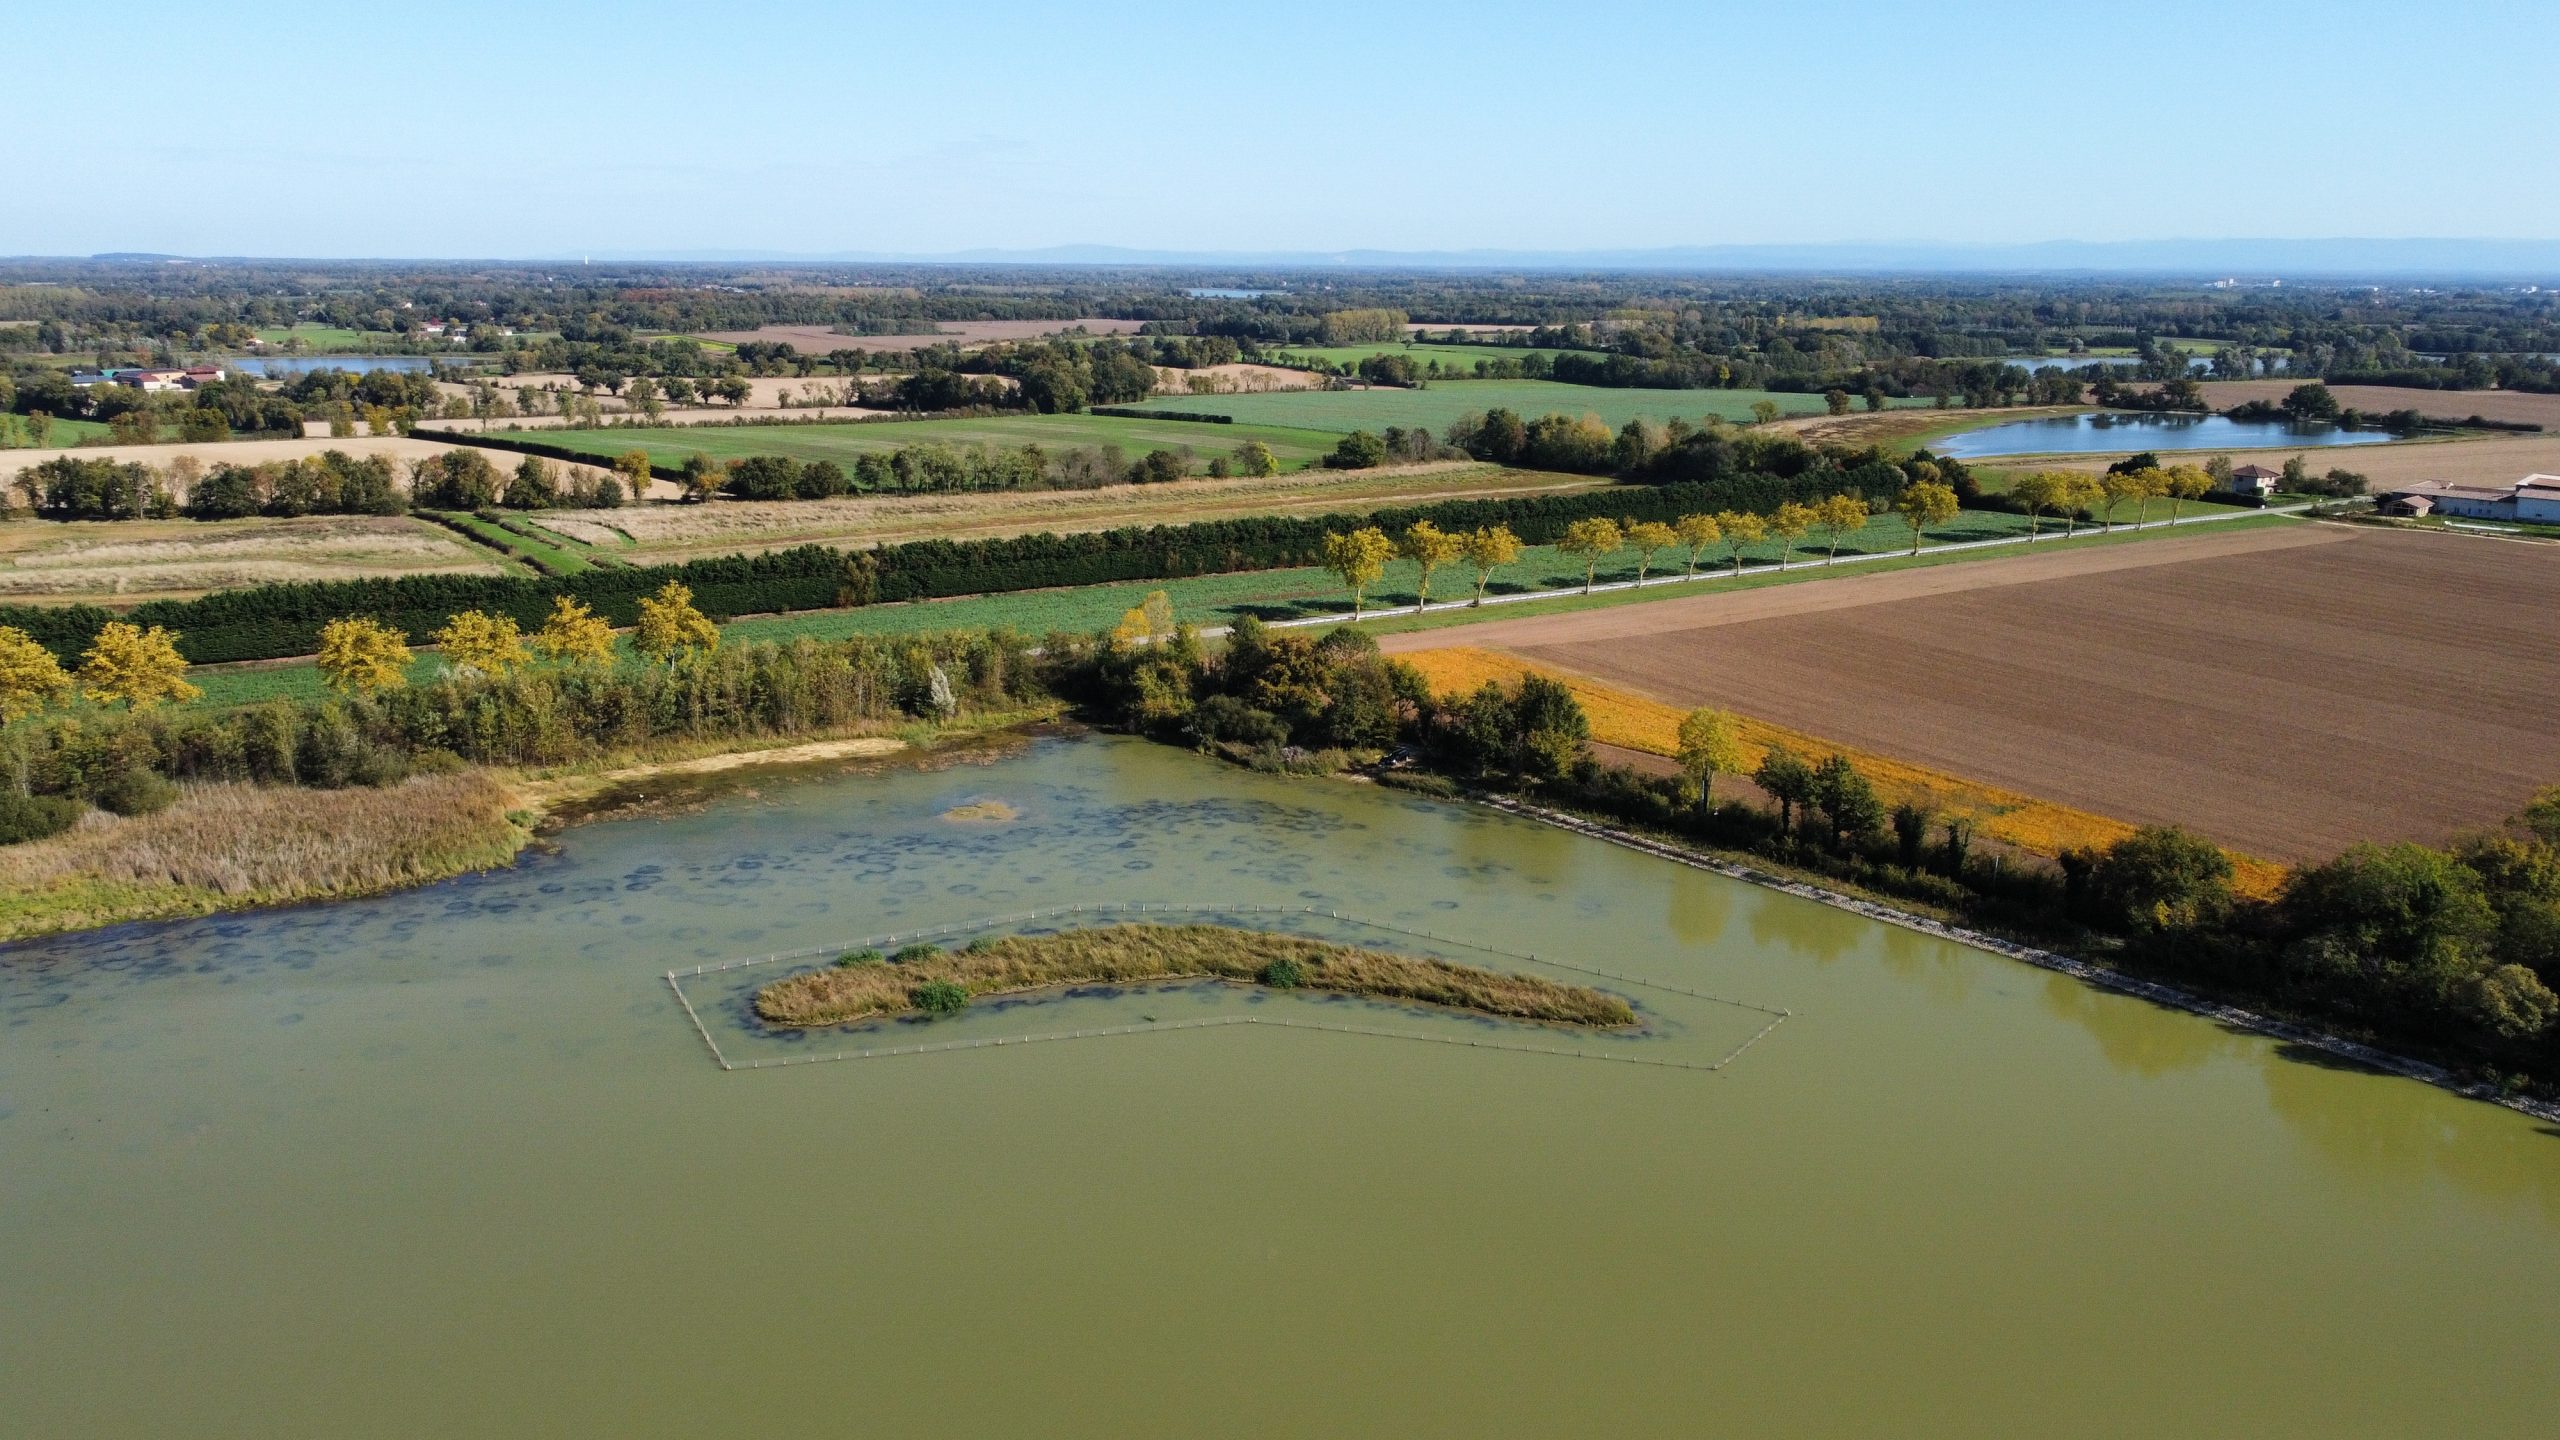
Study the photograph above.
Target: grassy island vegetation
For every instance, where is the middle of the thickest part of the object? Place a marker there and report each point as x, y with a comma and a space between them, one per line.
866, 985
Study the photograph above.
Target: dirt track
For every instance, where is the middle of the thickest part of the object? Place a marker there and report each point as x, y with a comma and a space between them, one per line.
2288, 692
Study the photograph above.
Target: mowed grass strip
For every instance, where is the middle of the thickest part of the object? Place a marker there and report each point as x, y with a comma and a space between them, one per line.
1123, 954
1636, 722
1442, 402
1294, 448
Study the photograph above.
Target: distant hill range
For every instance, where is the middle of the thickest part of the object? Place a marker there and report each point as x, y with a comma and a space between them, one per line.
2246, 260
2537, 260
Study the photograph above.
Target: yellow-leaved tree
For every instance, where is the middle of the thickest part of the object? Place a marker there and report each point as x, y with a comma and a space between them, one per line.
670, 626
1150, 619
482, 644
574, 635
2186, 482
1587, 541
139, 667
1429, 548
1791, 522
1842, 515
2039, 491
1710, 745
30, 677
1649, 538
1489, 548
1924, 503
1358, 558
633, 468
1698, 534
1741, 532
359, 656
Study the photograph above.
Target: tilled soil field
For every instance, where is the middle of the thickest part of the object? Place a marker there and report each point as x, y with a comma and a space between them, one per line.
2288, 693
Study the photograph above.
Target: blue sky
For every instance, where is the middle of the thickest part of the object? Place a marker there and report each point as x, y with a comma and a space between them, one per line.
532, 129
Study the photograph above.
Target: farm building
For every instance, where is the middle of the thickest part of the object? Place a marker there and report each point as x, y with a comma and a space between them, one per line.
2535, 498
2255, 480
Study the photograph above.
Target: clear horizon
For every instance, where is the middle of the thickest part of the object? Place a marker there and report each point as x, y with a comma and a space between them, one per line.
639, 130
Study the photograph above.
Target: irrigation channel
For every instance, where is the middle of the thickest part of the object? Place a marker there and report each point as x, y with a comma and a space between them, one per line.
441, 1162
1332, 922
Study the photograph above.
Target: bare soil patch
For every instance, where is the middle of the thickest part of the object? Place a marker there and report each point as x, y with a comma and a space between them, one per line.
2512, 406
2499, 461
2288, 693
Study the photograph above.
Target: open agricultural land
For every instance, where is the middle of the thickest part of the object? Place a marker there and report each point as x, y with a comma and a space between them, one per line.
821, 339
2482, 460
1443, 401
1294, 448
125, 561
659, 534
2288, 691
1461, 357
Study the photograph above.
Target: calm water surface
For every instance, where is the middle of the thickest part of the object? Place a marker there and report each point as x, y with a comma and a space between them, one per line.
2110, 431
451, 1163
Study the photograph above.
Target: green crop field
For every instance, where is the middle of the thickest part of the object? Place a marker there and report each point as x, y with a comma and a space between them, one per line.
1444, 401
61, 432
1462, 356
321, 337
1294, 448
1207, 600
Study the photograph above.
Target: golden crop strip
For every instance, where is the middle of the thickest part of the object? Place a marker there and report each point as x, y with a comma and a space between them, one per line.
1634, 722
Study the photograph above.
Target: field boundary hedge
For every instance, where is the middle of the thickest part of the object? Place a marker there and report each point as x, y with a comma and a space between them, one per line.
1132, 412
273, 622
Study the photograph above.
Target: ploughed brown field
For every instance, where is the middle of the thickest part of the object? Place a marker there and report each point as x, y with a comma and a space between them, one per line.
2287, 691
2511, 406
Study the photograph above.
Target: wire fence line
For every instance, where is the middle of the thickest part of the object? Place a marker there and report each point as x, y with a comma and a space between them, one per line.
675, 981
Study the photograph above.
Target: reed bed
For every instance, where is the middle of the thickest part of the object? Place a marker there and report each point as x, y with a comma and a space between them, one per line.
1120, 954
223, 845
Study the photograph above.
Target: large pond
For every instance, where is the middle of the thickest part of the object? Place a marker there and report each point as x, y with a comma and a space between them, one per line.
2108, 431
281, 365
452, 1162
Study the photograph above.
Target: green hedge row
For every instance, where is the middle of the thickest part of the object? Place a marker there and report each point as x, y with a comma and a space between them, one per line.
268, 622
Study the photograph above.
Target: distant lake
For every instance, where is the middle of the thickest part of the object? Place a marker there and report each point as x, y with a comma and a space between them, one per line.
1205, 294
2113, 430
274, 365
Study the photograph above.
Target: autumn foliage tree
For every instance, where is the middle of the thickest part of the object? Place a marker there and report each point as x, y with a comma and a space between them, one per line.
30, 678
359, 656
670, 626
1587, 541
1358, 558
1488, 548
1924, 503
136, 667
478, 643
574, 635
1429, 548
1649, 538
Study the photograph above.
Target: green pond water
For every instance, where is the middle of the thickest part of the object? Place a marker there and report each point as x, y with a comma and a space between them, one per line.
453, 1162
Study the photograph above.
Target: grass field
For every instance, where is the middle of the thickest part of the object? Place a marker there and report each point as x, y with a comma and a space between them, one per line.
1294, 448
1462, 356
62, 432
1444, 401
524, 542
2266, 684
323, 337
1215, 600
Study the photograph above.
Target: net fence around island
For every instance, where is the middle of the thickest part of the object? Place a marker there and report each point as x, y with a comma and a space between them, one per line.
1677, 1027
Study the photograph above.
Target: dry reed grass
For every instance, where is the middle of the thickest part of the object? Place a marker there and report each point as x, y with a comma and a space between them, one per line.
222, 846
1119, 954
1634, 722
111, 559
749, 524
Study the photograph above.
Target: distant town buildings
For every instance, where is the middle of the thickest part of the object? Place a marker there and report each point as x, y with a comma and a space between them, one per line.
153, 378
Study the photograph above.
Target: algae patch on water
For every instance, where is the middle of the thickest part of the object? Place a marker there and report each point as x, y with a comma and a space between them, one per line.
982, 812
923, 979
